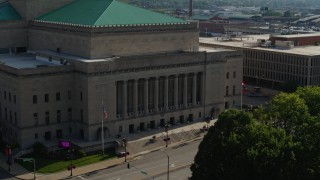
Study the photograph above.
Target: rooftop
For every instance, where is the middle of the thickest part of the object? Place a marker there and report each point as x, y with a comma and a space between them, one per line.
7, 12
105, 12
250, 42
23, 61
297, 35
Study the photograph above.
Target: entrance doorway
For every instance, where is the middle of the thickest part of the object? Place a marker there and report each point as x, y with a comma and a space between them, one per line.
181, 119
190, 117
162, 122
131, 128
172, 122
152, 124
142, 128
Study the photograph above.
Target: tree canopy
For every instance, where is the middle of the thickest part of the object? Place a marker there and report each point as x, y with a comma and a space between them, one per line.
278, 141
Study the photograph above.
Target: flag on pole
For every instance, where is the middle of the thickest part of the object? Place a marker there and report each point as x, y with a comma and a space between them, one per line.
243, 87
105, 113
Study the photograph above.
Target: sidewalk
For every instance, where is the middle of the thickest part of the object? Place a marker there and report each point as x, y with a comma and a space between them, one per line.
21, 173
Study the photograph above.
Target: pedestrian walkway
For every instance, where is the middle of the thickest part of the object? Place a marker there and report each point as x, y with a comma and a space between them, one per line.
139, 144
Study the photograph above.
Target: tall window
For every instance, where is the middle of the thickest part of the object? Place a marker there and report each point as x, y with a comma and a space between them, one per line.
15, 119
5, 95
5, 113
47, 117
10, 115
227, 75
81, 96
34, 99
69, 114
46, 98
234, 74
234, 90
69, 95
58, 96
81, 115
35, 118
15, 99
58, 116
227, 90
9, 96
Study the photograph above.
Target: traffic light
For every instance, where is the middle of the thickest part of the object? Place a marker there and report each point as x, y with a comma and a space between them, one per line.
128, 166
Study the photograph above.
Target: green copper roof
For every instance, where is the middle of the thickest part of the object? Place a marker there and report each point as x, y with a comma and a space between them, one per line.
7, 12
105, 12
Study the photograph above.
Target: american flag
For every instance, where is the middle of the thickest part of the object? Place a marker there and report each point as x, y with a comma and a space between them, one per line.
105, 113
243, 87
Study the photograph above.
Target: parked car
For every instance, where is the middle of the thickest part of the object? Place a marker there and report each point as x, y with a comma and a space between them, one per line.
122, 153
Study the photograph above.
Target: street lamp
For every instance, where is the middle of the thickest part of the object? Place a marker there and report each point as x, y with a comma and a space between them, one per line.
168, 170
124, 140
166, 127
71, 157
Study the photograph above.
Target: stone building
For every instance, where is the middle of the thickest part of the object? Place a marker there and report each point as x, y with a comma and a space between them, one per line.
146, 68
270, 61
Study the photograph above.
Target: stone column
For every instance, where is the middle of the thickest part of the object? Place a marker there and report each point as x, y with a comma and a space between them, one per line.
194, 89
166, 79
156, 94
176, 91
146, 103
185, 91
125, 98
202, 87
135, 97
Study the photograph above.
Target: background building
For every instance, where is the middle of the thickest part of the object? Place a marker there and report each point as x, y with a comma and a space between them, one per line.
272, 61
145, 67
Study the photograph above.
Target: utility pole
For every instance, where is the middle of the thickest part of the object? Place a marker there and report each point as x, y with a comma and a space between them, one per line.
124, 140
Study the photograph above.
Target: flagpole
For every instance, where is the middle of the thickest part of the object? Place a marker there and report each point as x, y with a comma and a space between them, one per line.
241, 100
102, 129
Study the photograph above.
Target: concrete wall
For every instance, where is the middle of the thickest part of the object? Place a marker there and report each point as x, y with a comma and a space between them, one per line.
112, 44
140, 43
13, 34
71, 43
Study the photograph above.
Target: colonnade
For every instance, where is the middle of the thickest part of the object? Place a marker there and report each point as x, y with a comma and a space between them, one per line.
137, 97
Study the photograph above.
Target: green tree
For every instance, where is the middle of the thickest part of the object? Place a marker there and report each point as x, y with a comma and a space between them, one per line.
287, 111
311, 96
239, 148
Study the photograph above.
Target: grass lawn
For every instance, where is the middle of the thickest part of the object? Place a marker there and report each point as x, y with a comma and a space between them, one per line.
51, 165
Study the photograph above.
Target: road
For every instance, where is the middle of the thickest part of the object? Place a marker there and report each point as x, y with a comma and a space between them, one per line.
4, 175
152, 165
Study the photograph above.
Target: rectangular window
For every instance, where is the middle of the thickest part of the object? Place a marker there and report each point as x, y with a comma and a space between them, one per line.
227, 90
81, 115
15, 99
81, 96
9, 96
15, 119
47, 117
46, 98
227, 75
69, 114
234, 90
234, 74
58, 96
10, 115
120, 129
35, 118
5, 114
69, 95
5, 95
36, 136
35, 99
58, 116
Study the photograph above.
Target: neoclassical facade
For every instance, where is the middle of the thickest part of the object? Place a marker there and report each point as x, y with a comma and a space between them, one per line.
146, 73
